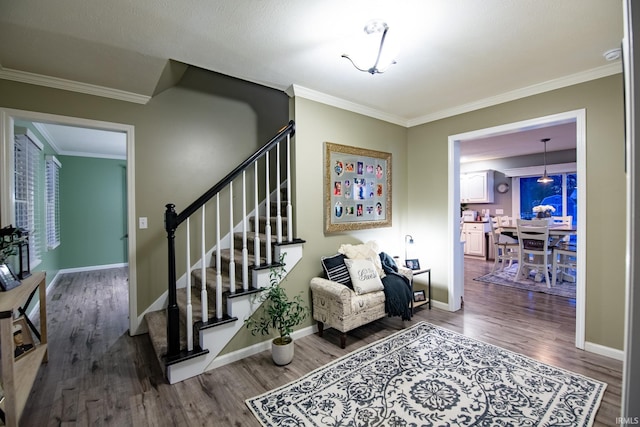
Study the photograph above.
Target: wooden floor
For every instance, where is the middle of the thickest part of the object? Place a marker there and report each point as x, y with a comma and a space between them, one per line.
98, 375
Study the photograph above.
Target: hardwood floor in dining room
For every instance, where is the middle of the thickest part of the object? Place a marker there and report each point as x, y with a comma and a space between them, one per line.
98, 375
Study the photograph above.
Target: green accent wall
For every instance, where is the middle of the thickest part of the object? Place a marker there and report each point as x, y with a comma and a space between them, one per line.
92, 212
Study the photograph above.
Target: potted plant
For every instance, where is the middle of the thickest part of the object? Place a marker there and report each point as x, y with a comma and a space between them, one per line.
279, 313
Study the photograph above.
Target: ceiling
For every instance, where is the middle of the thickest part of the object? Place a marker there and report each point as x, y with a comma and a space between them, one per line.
84, 142
452, 55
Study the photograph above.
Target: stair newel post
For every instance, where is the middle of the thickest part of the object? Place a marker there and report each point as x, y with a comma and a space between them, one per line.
245, 251
189, 305
289, 208
218, 262
173, 311
232, 255
256, 226
267, 226
203, 270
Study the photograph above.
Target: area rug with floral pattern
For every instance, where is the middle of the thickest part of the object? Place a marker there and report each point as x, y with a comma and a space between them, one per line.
429, 376
505, 278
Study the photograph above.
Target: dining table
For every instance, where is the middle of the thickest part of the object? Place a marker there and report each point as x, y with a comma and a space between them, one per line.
556, 232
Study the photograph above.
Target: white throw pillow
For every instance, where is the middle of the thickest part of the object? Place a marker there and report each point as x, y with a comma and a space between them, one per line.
364, 276
364, 251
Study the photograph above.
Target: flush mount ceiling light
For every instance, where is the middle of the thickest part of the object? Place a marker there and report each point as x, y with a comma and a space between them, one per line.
374, 27
544, 179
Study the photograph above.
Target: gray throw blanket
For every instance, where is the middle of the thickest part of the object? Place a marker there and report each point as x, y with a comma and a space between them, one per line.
397, 289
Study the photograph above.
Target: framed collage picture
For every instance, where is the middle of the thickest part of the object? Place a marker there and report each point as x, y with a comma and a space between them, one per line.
357, 184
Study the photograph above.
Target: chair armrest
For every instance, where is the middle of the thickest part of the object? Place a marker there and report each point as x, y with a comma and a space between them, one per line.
406, 272
331, 289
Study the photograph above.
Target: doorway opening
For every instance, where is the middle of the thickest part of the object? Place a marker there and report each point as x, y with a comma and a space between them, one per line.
456, 264
9, 118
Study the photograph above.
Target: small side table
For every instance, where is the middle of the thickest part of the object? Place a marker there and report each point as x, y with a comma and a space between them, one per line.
428, 300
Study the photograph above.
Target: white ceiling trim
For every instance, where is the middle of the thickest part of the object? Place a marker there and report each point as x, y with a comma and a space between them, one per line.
323, 98
45, 133
313, 95
555, 169
70, 85
585, 76
92, 155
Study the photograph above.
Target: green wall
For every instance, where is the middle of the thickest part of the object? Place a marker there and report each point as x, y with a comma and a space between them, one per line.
605, 181
92, 212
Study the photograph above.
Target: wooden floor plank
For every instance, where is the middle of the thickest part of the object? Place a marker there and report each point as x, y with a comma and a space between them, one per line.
98, 374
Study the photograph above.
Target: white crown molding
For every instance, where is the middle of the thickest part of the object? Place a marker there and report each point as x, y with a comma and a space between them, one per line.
92, 155
593, 74
573, 79
45, 133
313, 95
70, 85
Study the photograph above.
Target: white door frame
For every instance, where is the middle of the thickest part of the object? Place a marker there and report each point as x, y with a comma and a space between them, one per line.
7, 117
456, 280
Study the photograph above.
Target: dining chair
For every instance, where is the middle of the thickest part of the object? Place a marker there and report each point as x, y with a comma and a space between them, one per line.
564, 261
505, 247
535, 254
564, 221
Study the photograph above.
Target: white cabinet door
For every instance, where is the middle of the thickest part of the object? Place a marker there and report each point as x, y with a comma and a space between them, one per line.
475, 243
476, 187
473, 235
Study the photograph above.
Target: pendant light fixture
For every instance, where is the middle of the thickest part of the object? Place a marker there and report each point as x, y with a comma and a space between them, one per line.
373, 27
545, 179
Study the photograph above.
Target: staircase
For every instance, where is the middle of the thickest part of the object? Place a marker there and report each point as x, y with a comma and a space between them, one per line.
202, 316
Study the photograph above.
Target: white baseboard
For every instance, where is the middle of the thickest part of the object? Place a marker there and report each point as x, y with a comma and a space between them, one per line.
604, 351
234, 356
440, 305
93, 268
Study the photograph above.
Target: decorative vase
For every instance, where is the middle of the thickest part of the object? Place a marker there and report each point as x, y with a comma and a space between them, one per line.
282, 354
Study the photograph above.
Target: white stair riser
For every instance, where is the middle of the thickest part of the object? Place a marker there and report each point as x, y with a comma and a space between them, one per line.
216, 338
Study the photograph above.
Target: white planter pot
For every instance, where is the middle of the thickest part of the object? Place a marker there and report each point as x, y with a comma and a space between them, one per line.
282, 354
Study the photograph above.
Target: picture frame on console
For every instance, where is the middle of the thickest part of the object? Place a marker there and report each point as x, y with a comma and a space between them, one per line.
419, 296
357, 188
8, 280
413, 264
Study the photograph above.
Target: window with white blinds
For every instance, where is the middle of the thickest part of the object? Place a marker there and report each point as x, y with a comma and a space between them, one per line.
52, 183
27, 166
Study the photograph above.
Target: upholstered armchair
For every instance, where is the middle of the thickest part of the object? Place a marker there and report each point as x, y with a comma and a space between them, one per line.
340, 304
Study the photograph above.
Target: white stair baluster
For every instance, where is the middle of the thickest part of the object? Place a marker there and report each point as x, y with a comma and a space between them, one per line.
218, 262
289, 207
245, 252
256, 237
203, 269
267, 227
189, 324
278, 197
232, 255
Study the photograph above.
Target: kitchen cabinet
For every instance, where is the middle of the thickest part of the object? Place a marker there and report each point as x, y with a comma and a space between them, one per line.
476, 187
474, 235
